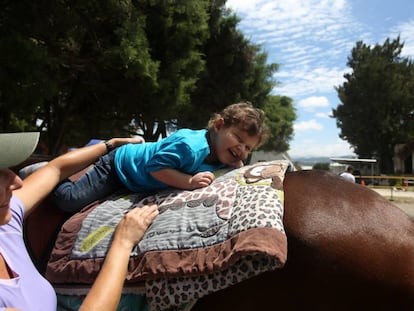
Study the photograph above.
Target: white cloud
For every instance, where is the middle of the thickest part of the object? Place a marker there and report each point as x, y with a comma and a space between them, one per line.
313, 102
406, 32
304, 37
311, 40
314, 148
307, 125
242, 5
324, 115
306, 80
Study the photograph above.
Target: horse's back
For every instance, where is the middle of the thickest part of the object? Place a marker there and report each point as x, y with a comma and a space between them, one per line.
348, 249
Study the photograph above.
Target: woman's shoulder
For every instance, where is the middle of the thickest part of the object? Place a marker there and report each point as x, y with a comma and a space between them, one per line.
17, 212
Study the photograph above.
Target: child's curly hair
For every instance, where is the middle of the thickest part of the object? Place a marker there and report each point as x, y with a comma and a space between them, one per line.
246, 117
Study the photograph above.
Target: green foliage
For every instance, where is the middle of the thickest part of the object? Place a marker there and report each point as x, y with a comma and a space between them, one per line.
297, 166
96, 69
236, 70
280, 115
86, 72
377, 101
24, 85
321, 166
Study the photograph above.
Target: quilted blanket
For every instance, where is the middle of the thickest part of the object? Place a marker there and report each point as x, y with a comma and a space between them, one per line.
202, 241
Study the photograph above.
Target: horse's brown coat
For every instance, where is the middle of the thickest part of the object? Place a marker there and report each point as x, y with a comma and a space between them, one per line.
348, 249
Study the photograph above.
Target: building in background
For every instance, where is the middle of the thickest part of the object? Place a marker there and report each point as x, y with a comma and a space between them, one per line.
404, 159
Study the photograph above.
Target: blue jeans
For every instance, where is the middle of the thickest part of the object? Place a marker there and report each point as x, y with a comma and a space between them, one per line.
100, 181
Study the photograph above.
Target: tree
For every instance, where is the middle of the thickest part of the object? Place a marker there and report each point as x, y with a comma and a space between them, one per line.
321, 166
77, 70
377, 101
24, 84
280, 115
176, 32
236, 70
90, 55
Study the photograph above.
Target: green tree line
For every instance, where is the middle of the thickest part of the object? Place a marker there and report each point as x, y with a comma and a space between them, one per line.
77, 70
376, 111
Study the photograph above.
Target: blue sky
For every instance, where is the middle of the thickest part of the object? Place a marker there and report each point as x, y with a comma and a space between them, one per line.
311, 41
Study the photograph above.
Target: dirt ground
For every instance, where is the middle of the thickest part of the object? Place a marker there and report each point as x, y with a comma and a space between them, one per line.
406, 204
402, 199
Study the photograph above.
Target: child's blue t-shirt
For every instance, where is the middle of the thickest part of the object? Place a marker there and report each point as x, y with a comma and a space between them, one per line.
184, 150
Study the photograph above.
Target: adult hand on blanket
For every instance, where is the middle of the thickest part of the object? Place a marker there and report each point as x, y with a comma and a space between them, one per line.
106, 290
133, 225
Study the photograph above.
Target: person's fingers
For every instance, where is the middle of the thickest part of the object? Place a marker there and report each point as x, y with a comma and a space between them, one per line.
210, 179
147, 208
205, 179
136, 140
132, 227
208, 175
149, 212
146, 213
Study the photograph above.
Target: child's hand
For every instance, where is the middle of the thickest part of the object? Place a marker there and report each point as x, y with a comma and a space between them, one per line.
202, 179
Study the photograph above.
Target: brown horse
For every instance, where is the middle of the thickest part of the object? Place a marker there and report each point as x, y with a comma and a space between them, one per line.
348, 249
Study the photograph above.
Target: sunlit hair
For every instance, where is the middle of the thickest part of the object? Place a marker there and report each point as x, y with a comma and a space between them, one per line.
246, 117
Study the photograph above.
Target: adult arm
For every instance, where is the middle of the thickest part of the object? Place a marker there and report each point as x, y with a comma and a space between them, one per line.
39, 184
107, 288
180, 180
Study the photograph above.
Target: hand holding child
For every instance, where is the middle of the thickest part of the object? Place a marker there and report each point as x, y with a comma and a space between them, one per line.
117, 142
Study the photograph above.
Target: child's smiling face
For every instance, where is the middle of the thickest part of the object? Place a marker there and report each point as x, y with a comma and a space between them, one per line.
232, 144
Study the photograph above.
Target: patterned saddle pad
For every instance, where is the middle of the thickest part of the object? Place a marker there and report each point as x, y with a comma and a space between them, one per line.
202, 241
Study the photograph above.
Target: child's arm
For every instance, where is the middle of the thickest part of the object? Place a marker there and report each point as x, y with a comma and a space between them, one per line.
177, 179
